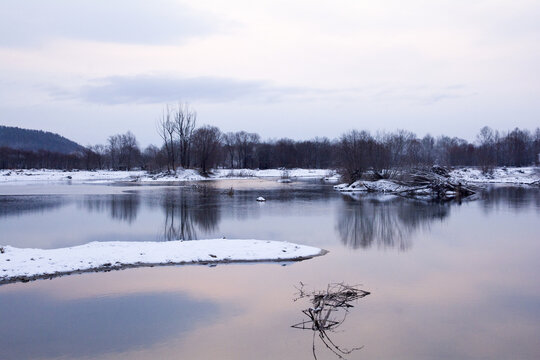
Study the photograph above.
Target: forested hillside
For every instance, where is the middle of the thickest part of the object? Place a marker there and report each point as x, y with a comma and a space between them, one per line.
35, 140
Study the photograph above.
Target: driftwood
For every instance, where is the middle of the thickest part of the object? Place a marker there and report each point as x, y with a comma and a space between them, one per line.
434, 183
328, 311
438, 184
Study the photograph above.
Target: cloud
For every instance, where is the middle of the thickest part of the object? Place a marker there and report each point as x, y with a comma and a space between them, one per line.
155, 89
33, 22
149, 89
422, 94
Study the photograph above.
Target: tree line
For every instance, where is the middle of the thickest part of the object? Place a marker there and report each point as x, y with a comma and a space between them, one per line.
185, 145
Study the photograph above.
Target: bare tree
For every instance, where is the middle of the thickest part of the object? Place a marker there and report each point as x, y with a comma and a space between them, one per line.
207, 145
129, 150
101, 152
114, 151
486, 149
229, 145
246, 143
185, 119
166, 128
353, 154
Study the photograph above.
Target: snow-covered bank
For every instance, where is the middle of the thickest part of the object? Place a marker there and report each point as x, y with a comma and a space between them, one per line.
217, 174
504, 175
517, 176
181, 175
291, 173
510, 175
30, 264
55, 176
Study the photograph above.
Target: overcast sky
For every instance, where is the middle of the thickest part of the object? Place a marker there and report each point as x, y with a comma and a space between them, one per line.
91, 68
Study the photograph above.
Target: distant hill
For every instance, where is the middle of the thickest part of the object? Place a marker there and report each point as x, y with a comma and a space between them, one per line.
33, 140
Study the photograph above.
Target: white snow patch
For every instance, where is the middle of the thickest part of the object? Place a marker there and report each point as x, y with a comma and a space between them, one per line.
29, 263
291, 173
376, 186
181, 175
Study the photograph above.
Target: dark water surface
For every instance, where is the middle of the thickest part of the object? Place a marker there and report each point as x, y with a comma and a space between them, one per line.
452, 281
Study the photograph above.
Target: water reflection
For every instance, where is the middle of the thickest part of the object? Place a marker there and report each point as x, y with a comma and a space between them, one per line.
385, 222
188, 212
123, 207
20, 205
193, 212
103, 325
468, 289
514, 197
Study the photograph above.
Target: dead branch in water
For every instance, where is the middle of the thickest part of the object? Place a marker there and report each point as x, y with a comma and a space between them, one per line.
328, 311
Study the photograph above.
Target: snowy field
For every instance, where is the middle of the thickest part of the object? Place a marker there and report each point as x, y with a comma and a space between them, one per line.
18, 264
104, 176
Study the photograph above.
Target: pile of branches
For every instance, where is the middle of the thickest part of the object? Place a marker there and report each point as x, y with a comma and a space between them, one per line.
328, 311
435, 183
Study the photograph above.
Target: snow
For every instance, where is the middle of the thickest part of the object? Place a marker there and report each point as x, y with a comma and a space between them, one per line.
17, 264
523, 175
504, 175
376, 186
182, 175
509, 175
291, 173
44, 175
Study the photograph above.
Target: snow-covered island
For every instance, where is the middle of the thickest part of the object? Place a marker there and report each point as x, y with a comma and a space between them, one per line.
18, 264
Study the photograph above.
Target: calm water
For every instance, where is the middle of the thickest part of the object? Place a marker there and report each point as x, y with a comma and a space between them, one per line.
454, 281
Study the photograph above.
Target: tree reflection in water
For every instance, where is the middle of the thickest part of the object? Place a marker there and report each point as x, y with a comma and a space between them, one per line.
187, 212
385, 222
21, 205
513, 197
122, 207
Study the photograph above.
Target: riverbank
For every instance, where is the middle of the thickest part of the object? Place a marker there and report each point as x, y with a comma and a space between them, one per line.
181, 175
502, 175
458, 176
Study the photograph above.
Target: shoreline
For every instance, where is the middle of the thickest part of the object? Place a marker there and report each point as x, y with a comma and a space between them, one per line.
529, 175
36, 176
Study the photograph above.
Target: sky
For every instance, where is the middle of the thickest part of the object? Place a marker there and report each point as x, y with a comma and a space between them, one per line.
88, 69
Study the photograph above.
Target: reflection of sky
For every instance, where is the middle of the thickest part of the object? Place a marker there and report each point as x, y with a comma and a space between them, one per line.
47, 327
467, 289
